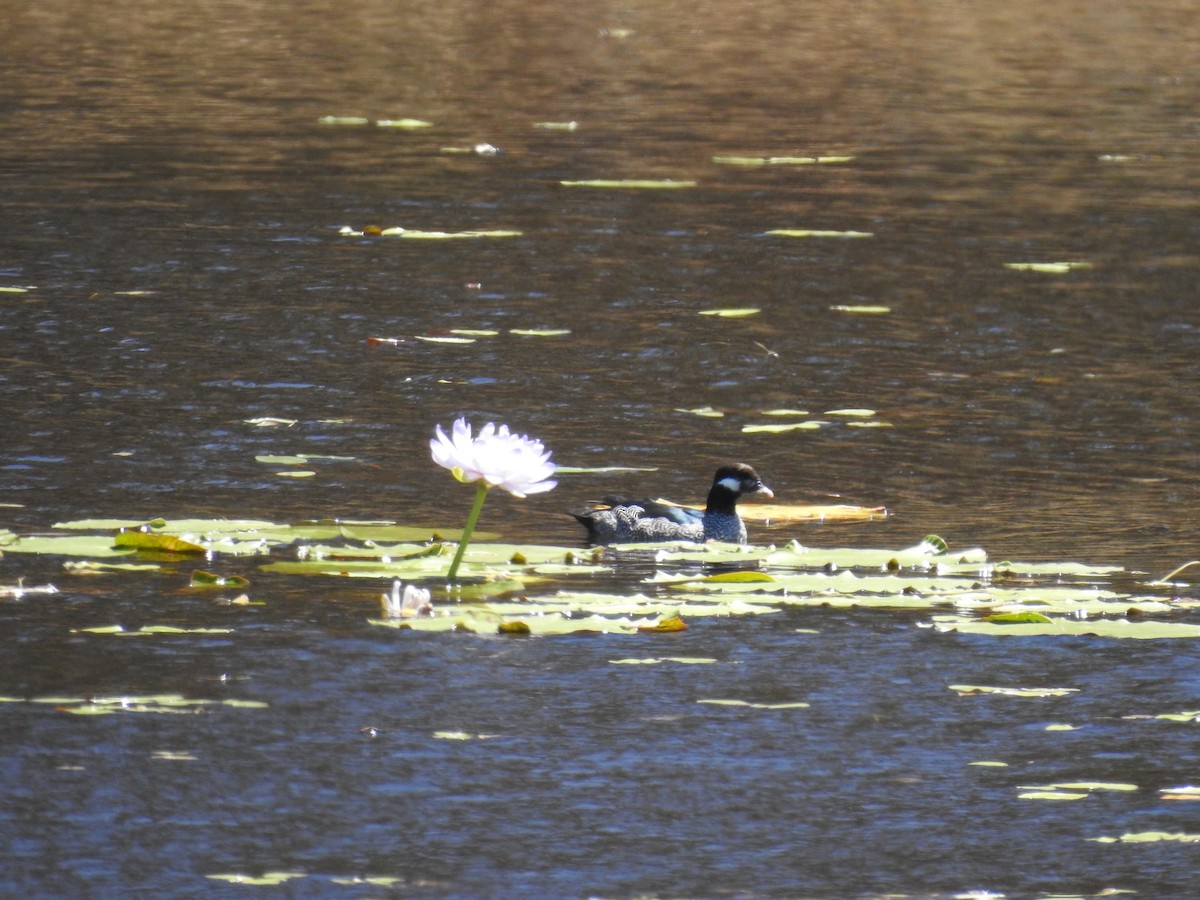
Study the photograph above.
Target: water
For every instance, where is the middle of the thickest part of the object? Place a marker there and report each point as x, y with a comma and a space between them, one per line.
175, 205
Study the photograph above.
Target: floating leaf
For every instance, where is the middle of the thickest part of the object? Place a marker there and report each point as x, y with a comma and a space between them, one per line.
1017, 618
444, 339
1186, 792
738, 578
17, 591
300, 459
200, 578
1053, 268
492, 233
781, 428
1119, 786
1189, 716
409, 124
1111, 628
344, 120
667, 624
157, 703
682, 660
173, 756
1050, 795
785, 512
149, 630
416, 234
785, 412
632, 184
539, 332
167, 543
703, 411
732, 313
556, 126
813, 233
95, 546
851, 413
863, 310
266, 879
755, 705
1145, 837
779, 160
969, 689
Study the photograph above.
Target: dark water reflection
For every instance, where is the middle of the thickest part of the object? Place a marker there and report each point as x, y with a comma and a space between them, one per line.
177, 153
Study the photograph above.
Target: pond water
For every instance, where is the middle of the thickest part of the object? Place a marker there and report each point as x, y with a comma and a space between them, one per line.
176, 271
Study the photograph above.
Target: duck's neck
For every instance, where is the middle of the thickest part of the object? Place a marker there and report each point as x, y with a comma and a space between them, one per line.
722, 499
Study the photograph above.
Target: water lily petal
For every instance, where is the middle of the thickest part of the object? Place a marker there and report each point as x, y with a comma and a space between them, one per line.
515, 462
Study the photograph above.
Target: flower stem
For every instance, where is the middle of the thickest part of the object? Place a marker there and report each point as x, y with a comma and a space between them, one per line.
481, 492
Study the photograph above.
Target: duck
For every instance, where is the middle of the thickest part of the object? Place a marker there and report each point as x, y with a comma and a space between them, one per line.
621, 520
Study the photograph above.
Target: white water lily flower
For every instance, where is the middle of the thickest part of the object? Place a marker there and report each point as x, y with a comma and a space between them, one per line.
413, 602
515, 462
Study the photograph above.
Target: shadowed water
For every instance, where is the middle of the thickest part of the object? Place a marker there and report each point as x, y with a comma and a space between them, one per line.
173, 205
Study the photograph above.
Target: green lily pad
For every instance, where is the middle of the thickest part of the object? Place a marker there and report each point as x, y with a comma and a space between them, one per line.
266, 879
156, 703
638, 184
1148, 837
783, 427
1051, 795
200, 578
780, 160
732, 313
1111, 628
862, 310
407, 124
1053, 268
746, 703
973, 689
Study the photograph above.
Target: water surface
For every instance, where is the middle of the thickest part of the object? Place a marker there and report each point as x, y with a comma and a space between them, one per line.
174, 204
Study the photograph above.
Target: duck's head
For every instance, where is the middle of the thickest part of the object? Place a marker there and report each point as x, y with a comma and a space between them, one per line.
731, 483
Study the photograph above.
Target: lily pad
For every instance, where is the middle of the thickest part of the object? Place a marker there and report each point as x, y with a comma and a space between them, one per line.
1149, 837
746, 703
865, 310
405, 123
266, 879
817, 233
732, 313
1053, 268
780, 160
639, 184
783, 427
972, 689
803, 512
